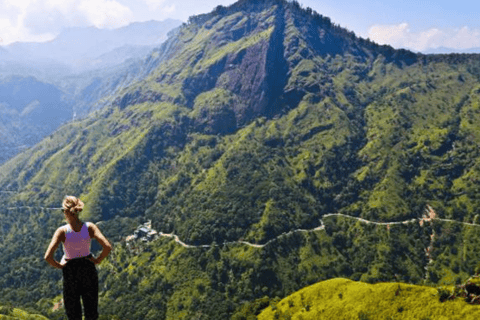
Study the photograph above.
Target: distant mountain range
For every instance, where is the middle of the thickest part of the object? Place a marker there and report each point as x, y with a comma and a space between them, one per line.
443, 50
81, 49
29, 110
43, 85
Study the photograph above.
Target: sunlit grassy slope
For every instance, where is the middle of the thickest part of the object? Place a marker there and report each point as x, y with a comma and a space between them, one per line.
347, 299
9, 313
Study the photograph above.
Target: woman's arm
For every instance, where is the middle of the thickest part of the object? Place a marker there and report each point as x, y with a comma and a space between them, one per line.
58, 237
96, 234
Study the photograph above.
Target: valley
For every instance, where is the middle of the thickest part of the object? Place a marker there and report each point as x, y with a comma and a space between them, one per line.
272, 150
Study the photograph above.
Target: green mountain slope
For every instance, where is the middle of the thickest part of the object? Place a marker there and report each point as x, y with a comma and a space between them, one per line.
10, 313
259, 119
346, 299
29, 110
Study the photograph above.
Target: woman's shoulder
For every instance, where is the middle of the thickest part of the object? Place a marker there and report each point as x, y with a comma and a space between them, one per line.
91, 227
61, 232
63, 229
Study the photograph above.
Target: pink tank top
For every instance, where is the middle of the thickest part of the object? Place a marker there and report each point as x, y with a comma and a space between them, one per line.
77, 244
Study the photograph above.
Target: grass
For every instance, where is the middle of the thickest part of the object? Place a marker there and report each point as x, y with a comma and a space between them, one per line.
347, 299
234, 47
18, 314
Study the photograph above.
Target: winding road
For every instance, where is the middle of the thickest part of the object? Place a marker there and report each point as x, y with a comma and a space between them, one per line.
321, 227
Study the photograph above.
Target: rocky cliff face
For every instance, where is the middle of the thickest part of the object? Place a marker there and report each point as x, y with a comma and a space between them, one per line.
236, 56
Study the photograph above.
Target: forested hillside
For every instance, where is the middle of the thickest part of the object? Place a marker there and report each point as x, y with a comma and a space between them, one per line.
37, 96
29, 110
256, 120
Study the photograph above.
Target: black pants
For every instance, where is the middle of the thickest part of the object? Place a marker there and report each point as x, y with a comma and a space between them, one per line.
80, 280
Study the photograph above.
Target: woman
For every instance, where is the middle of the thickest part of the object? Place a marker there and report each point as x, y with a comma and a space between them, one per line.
80, 279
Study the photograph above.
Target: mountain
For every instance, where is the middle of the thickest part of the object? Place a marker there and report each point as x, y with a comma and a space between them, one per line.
87, 48
29, 110
91, 90
52, 89
121, 54
337, 298
443, 50
251, 126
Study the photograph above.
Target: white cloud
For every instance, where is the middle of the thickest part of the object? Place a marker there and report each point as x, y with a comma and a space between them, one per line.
387, 34
154, 4
41, 20
21, 4
464, 38
168, 9
400, 36
105, 13
160, 6
13, 30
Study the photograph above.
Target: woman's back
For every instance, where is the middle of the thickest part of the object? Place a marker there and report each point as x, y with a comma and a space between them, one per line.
77, 244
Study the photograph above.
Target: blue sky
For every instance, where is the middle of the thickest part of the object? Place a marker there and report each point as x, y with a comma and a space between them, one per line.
418, 25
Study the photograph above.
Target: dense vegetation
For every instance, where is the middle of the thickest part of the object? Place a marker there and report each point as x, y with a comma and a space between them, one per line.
10, 313
346, 299
253, 121
29, 110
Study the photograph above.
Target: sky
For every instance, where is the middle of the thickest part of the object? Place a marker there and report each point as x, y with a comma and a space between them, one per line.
419, 25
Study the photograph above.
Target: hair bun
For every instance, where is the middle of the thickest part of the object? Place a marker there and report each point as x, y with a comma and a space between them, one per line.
72, 204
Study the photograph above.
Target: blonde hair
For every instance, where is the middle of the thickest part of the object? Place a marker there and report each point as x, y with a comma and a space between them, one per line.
72, 204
